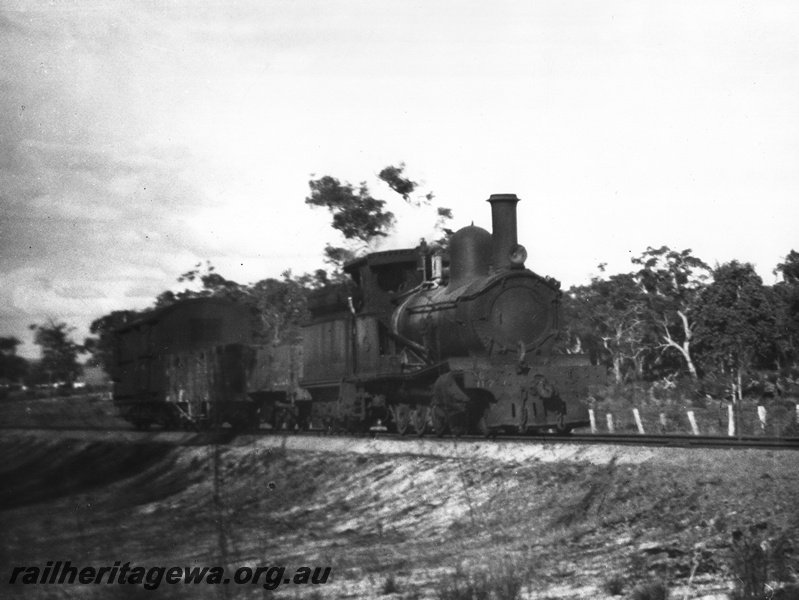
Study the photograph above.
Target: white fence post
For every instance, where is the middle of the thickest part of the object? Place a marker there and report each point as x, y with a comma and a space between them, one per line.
692, 420
730, 421
638, 421
761, 415
592, 416
610, 422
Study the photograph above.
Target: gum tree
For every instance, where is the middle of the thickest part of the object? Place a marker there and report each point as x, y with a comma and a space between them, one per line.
13, 368
734, 322
785, 300
277, 305
100, 345
607, 317
59, 361
672, 282
361, 218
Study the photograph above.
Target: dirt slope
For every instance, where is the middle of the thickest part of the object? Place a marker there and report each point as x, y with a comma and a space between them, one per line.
570, 522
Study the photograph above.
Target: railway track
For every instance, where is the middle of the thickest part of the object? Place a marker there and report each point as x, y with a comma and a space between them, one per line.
226, 435
679, 441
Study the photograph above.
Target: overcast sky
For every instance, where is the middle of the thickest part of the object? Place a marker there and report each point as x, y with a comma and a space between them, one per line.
139, 138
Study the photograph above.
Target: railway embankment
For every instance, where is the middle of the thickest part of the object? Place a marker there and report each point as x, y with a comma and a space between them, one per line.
400, 519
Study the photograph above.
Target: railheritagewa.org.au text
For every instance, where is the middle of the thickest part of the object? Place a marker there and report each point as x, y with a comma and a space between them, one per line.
151, 577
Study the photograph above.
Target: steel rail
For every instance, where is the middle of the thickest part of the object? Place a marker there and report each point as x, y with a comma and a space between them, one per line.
642, 440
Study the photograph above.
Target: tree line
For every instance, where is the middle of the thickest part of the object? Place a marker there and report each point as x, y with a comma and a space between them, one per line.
670, 316
674, 316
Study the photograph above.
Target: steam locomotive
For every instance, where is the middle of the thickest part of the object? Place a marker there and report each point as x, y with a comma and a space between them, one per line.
416, 344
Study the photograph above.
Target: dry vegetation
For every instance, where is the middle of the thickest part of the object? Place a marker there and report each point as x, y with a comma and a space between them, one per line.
401, 526
79, 411
663, 408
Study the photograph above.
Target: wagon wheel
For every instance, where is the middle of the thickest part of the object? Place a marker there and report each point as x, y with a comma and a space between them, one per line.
254, 418
354, 426
562, 428
402, 418
304, 424
278, 420
418, 418
327, 426
438, 416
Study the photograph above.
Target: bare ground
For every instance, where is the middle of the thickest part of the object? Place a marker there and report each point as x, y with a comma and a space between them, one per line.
566, 521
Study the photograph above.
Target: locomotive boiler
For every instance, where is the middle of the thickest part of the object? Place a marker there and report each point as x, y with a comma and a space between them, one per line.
416, 347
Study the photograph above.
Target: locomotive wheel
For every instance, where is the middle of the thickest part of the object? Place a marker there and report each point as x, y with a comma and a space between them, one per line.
459, 427
438, 416
562, 428
482, 427
402, 418
418, 417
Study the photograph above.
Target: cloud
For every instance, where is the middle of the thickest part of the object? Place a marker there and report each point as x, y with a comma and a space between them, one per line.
94, 197
137, 139
76, 205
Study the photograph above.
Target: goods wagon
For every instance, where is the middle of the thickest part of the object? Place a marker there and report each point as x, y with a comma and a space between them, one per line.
193, 364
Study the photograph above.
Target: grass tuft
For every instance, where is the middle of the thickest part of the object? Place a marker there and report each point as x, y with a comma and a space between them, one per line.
651, 591
615, 585
750, 562
464, 586
596, 488
508, 578
390, 586
790, 592
504, 579
781, 553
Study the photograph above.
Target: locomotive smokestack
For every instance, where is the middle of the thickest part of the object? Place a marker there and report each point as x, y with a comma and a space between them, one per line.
504, 237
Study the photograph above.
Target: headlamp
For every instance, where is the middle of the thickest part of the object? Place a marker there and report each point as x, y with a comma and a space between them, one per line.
517, 255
